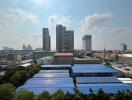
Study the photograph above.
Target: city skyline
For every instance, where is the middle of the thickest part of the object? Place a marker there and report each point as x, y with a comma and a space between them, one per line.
109, 22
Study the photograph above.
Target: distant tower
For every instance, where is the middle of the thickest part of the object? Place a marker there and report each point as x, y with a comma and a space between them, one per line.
46, 39
87, 43
123, 47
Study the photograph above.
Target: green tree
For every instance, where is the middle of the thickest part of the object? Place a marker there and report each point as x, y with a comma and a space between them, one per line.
7, 75
101, 94
18, 78
78, 95
43, 96
69, 96
59, 95
7, 91
91, 95
24, 95
121, 95
32, 71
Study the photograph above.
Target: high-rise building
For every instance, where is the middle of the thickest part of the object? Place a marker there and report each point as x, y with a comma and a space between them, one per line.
60, 32
69, 40
123, 47
46, 39
64, 39
87, 43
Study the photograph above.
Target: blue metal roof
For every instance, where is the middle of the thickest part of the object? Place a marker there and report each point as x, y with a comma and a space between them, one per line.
56, 66
39, 75
92, 68
96, 80
108, 88
49, 81
55, 78
54, 71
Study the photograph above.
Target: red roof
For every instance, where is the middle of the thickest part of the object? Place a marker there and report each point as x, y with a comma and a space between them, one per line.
64, 54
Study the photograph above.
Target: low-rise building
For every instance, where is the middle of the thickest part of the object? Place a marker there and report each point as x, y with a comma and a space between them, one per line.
64, 58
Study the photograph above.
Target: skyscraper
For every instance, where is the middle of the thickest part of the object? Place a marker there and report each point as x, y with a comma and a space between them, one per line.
64, 39
46, 39
69, 40
60, 32
87, 43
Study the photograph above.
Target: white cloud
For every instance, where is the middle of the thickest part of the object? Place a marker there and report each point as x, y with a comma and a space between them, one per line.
55, 19
104, 32
11, 27
20, 15
39, 1
24, 15
94, 21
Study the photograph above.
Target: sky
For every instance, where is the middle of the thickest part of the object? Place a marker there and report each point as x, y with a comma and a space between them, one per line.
108, 21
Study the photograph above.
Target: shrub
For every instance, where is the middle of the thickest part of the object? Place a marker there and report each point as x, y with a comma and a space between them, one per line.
7, 91
24, 95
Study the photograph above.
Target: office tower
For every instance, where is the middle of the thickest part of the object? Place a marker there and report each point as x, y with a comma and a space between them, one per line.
60, 32
87, 43
64, 39
69, 40
46, 39
123, 47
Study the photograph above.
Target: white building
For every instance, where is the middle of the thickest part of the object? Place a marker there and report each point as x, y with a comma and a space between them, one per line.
87, 43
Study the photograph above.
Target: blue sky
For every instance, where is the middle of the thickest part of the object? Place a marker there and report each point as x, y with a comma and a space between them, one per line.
108, 21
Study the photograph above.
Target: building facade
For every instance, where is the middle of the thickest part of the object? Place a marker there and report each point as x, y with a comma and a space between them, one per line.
123, 47
87, 43
46, 39
69, 40
60, 31
64, 39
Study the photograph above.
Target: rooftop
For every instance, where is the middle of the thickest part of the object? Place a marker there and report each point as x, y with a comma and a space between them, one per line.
54, 71
108, 88
44, 75
96, 80
92, 68
56, 66
64, 54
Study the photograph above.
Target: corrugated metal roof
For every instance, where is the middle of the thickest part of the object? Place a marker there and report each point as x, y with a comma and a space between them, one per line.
92, 68
125, 79
26, 65
51, 75
49, 81
54, 71
56, 66
57, 78
96, 80
108, 88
